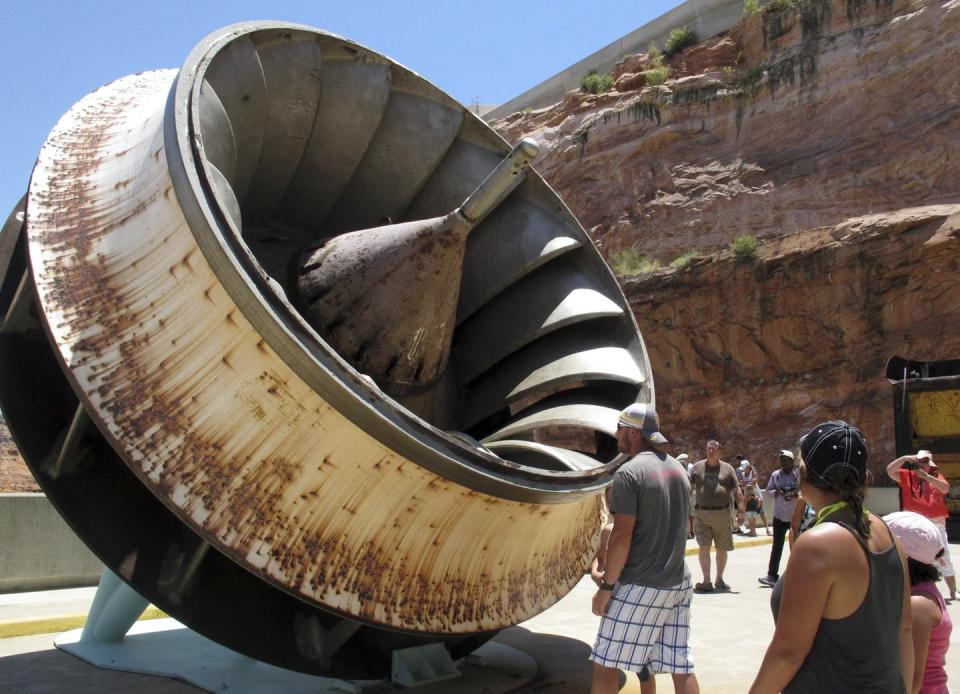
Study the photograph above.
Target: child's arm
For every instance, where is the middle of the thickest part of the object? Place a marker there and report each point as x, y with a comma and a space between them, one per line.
599, 562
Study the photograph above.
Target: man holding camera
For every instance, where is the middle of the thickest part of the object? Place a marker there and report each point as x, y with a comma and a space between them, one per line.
784, 484
922, 490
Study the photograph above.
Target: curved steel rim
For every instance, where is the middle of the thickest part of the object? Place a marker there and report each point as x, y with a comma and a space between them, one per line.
298, 344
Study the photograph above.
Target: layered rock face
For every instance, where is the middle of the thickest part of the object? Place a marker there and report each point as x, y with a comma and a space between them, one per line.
827, 130
755, 353
796, 119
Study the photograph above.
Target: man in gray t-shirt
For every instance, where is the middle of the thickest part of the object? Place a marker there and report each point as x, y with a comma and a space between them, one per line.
658, 543
644, 596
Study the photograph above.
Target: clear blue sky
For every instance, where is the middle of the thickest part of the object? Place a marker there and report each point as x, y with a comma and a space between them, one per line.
55, 52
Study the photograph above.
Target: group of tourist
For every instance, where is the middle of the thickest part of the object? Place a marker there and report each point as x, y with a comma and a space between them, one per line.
850, 573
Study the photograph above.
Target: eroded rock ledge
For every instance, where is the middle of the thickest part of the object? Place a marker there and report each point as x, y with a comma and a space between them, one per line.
757, 352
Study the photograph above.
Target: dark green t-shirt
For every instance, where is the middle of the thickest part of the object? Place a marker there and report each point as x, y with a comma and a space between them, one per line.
653, 487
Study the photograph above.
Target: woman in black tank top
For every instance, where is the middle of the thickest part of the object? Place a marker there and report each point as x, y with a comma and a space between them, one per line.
842, 607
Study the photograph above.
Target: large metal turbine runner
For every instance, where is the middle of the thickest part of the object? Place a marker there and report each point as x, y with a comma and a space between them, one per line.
259, 315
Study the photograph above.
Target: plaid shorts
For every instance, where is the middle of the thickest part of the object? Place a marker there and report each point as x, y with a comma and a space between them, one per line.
646, 626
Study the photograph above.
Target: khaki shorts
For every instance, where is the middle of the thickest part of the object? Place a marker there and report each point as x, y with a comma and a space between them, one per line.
713, 526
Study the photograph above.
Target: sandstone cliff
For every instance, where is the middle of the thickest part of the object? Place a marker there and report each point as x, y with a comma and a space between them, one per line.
757, 352
798, 118
786, 128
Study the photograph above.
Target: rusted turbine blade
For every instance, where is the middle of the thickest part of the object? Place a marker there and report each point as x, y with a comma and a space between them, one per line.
558, 296
204, 439
561, 360
533, 453
515, 240
583, 415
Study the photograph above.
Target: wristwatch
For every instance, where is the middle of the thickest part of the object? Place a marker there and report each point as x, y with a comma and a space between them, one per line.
606, 586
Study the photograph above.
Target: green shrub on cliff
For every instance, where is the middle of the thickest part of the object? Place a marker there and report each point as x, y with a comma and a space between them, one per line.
751, 7
683, 260
744, 247
657, 72
654, 55
630, 262
657, 75
680, 38
594, 83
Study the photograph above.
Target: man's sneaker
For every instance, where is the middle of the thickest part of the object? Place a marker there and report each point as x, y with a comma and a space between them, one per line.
768, 580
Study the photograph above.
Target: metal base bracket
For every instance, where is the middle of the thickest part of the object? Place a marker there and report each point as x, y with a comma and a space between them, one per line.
420, 665
116, 607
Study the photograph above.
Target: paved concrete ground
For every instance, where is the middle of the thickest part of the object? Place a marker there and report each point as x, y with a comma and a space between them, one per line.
731, 632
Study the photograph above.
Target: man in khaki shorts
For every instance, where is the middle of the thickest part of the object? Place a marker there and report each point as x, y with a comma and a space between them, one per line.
713, 482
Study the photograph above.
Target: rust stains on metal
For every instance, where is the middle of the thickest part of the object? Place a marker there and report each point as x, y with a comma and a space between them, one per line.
215, 423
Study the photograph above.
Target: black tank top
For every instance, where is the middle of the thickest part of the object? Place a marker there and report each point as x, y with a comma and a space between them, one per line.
859, 653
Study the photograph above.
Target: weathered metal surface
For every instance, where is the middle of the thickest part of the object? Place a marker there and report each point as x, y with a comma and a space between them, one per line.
533, 453
165, 220
516, 240
559, 296
584, 415
386, 298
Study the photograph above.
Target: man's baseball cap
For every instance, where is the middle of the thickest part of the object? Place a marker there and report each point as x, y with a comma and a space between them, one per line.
744, 464
919, 537
832, 448
786, 454
924, 453
683, 456
643, 417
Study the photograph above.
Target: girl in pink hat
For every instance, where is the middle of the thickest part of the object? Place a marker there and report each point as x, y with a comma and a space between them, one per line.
931, 622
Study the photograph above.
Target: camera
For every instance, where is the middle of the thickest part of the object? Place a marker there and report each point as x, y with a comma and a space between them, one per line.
912, 465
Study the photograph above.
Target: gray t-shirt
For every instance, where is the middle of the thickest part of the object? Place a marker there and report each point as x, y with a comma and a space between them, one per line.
653, 487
